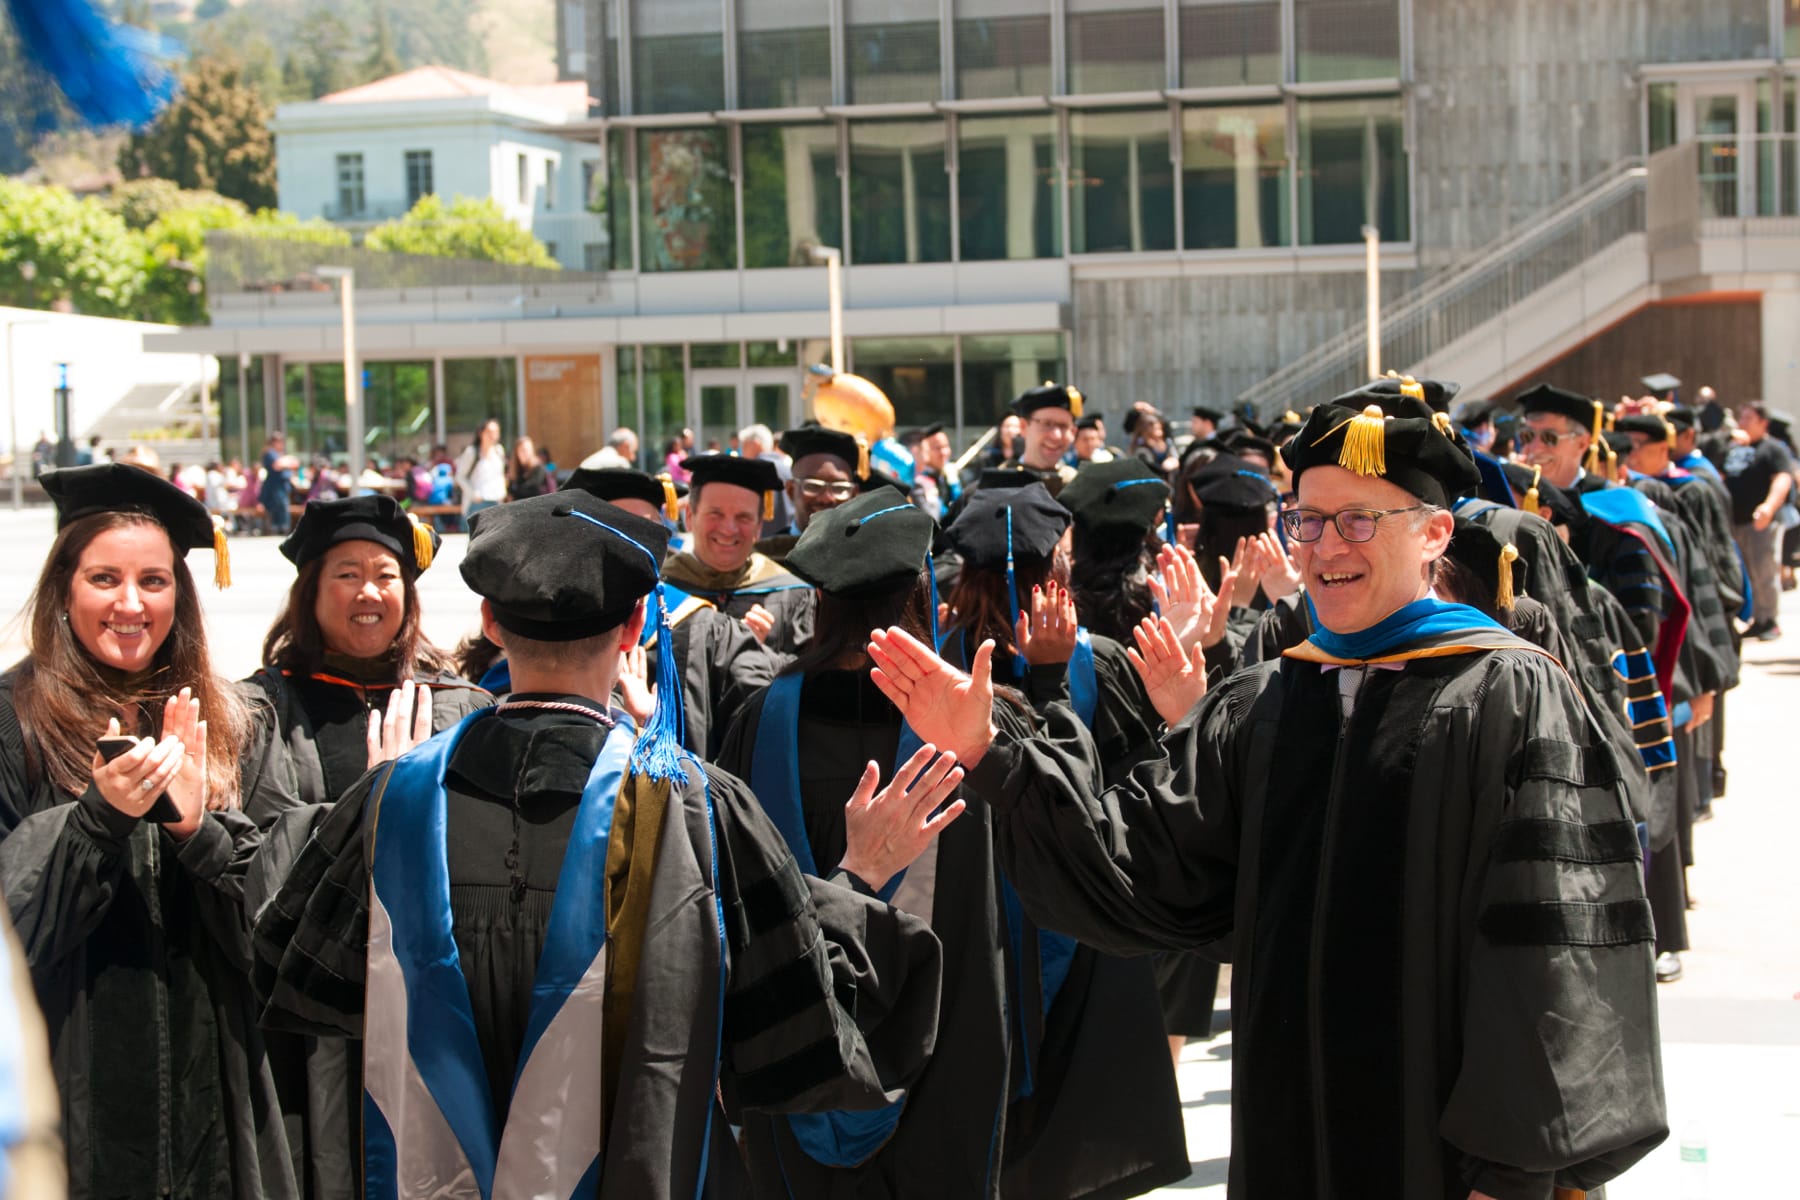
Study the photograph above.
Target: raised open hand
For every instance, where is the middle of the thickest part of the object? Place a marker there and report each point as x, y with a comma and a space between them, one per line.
1181, 594
1175, 679
405, 724
1047, 633
1280, 577
1247, 563
884, 831
187, 791
636, 695
944, 706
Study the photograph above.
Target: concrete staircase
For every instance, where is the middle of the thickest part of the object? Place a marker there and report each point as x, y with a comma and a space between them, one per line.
166, 417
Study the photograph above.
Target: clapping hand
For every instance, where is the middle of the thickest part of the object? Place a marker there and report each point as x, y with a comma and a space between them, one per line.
1047, 633
1280, 577
1174, 677
133, 781
1192, 609
405, 724
944, 706
885, 831
635, 693
761, 622
187, 791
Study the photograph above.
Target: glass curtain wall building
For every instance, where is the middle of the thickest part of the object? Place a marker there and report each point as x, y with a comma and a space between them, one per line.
740, 134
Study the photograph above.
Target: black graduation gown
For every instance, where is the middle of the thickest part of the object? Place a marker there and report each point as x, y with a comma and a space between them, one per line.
1104, 1115
312, 746
762, 581
791, 1041
722, 665
1453, 879
139, 954
948, 1140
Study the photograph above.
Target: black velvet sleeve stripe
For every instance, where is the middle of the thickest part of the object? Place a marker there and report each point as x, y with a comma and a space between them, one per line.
1540, 840
1553, 923
773, 902
1578, 766
780, 995
779, 1082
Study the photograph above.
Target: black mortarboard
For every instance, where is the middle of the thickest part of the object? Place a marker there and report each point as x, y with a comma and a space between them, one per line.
1248, 441
562, 566
1651, 425
1474, 416
1285, 426
623, 483
1661, 383
1049, 395
1090, 421
874, 541
118, 487
1228, 482
1436, 393
1136, 417
1619, 443
1006, 477
1208, 414
808, 440
752, 474
980, 532
1535, 492
1681, 418
1122, 496
1494, 564
1419, 453
931, 430
1547, 398
379, 519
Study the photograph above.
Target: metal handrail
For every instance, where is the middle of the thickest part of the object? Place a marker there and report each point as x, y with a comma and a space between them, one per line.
1607, 207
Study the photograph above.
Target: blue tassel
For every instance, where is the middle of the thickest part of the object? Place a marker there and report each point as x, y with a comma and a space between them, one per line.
108, 71
1012, 592
937, 644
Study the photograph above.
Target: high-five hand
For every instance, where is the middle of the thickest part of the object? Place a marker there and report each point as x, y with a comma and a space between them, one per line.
636, 695
1047, 633
405, 724
1174, 678
944, 706
884, 831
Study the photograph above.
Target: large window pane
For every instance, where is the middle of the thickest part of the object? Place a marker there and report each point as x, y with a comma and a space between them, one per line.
475, 390
1121, 183
241, 440
687, 211
790, 193
899, 193
1352, 171
1346, 39
1116, 46
678, 56
1007, 188
315, 409
609, 195
1228, 43
996, 370
397, 410
1234, 192
784, 53
630, 413
891, 48
918, 375
1002, 48
603, 63
665, 402
1661, 116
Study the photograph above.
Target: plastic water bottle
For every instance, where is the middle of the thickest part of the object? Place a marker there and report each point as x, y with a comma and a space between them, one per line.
1693, 1163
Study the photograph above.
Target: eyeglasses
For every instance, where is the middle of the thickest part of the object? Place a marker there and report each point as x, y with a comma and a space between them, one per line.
1353, 524
1549, 437
1053, 426
838, 489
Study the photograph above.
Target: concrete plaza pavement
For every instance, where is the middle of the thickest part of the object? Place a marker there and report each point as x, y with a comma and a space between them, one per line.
1731, 1027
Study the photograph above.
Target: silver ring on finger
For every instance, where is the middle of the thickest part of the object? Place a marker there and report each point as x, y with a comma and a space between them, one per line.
145, 786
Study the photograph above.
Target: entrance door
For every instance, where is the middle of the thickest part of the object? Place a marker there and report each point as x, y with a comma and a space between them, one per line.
1722, 118
723, 400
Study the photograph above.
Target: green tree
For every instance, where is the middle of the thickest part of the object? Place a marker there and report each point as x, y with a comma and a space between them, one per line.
140, 203
468, 228
322, 60
383, 59
177, 252
215, 136
79, 252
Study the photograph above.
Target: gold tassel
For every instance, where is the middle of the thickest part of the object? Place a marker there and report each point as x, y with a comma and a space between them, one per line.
1531, 493
1412, 388
862, 457
1290, 417
422, 549
1669, 433
1441, 422
1503, 595
768, 506
671, 502
221, 557
1074, 402
1365, 442
1597, 446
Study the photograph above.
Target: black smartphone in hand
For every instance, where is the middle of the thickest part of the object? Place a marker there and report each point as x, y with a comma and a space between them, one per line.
163, 812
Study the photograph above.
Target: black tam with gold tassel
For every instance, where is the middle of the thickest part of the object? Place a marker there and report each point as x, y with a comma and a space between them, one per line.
1387, 436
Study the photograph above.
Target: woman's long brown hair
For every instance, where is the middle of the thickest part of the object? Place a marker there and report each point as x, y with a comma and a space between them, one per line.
978, 602
64, 696
296, 643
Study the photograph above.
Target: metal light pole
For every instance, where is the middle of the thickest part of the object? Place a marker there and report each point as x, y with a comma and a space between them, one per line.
12, 410
833, 258
1372, 248
353, 422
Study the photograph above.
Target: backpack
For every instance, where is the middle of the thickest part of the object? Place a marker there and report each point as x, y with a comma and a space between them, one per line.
443, 484
418, 485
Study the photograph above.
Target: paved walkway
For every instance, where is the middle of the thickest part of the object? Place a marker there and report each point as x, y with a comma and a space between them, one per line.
1731, 1026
